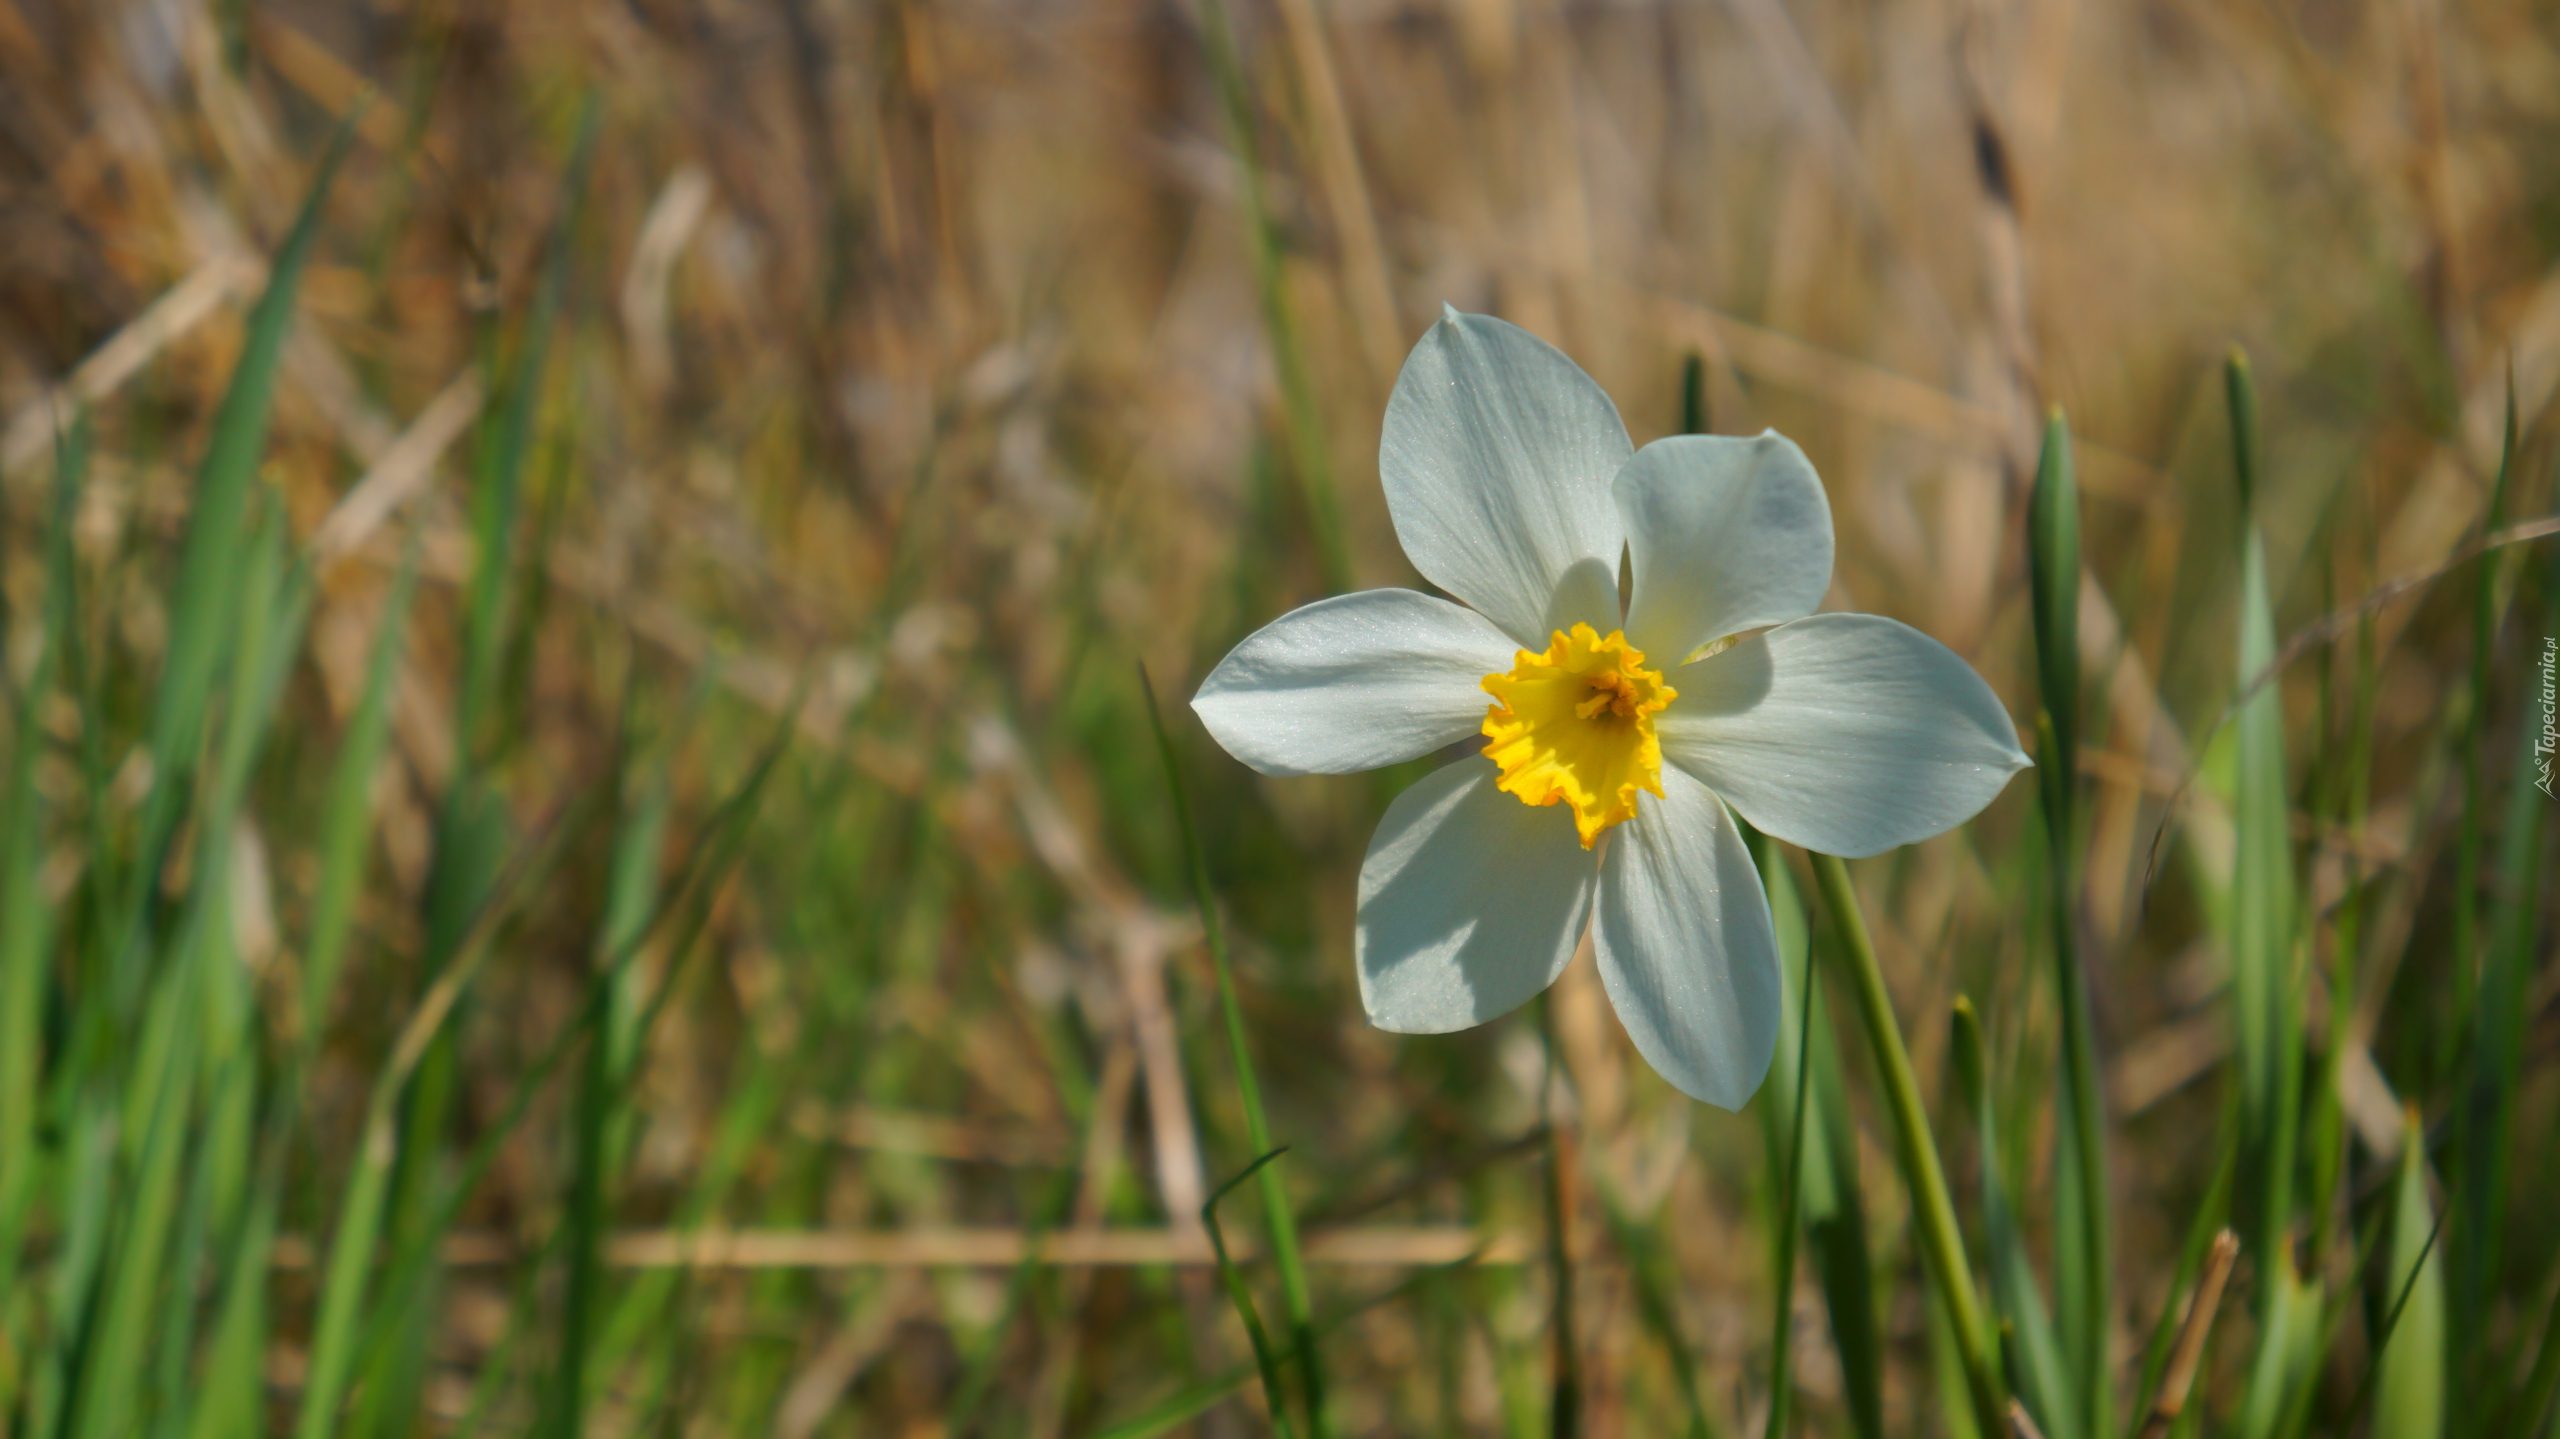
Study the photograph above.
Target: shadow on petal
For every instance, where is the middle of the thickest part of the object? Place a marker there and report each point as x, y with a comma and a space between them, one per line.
1470, 903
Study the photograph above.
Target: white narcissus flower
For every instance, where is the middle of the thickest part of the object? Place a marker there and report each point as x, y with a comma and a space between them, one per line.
1513, 487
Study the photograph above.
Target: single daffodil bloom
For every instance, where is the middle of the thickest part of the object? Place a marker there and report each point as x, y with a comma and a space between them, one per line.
1612, 743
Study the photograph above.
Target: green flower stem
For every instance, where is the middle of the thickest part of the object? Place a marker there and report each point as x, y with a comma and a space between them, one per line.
1934, 1213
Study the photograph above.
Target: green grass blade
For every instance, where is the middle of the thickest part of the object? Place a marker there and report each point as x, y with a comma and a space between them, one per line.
26, 916
1790, 1095
112, 1385
598, 1110
198, 1065
497, 495
1277, 1215
274, 607
1694, 419
27, 926
2053, 575
342, 1285
1310, 453
2486, 1116
1834, 1217
1275, 1398
2039, 1368
2533, 1403
2410, 1394
2240, 396
223, 575
2266, 1004
744, 1122
632, 900
2286, 1335
1836, 1222
2083, 1243
343, 1347
346, 826
498, 1367
698, 881
1564, 1340
1182, 1408
1933, 1210
582, 1240
2323, 1317
2470, 840
85, 1178
473, 836
232, 1404
275, 603
204, 592
1790, 1222
163, 1396
978, 1384
1950, 1381
473, 824
1198, 1399
1656, 1277
564, 1406
2325, 1127
2488, 1000
2515, 941
472, 840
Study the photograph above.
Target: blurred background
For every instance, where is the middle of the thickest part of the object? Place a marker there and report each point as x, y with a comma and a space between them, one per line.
671, 918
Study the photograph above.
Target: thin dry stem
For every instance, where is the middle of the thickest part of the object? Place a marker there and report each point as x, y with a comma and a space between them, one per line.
2188, 1356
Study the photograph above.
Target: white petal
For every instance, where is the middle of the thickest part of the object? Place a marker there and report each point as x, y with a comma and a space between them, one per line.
1847, 734
1726, 535
1354, 682
1686, 947
1497, 458
1470, 902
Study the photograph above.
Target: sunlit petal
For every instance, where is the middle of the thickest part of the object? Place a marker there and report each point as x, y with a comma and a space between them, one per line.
1497, 458
1848, 734
1686, 947
1725, 535
1353, 683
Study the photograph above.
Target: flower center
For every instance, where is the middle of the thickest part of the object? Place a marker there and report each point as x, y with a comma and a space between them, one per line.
1575, 726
